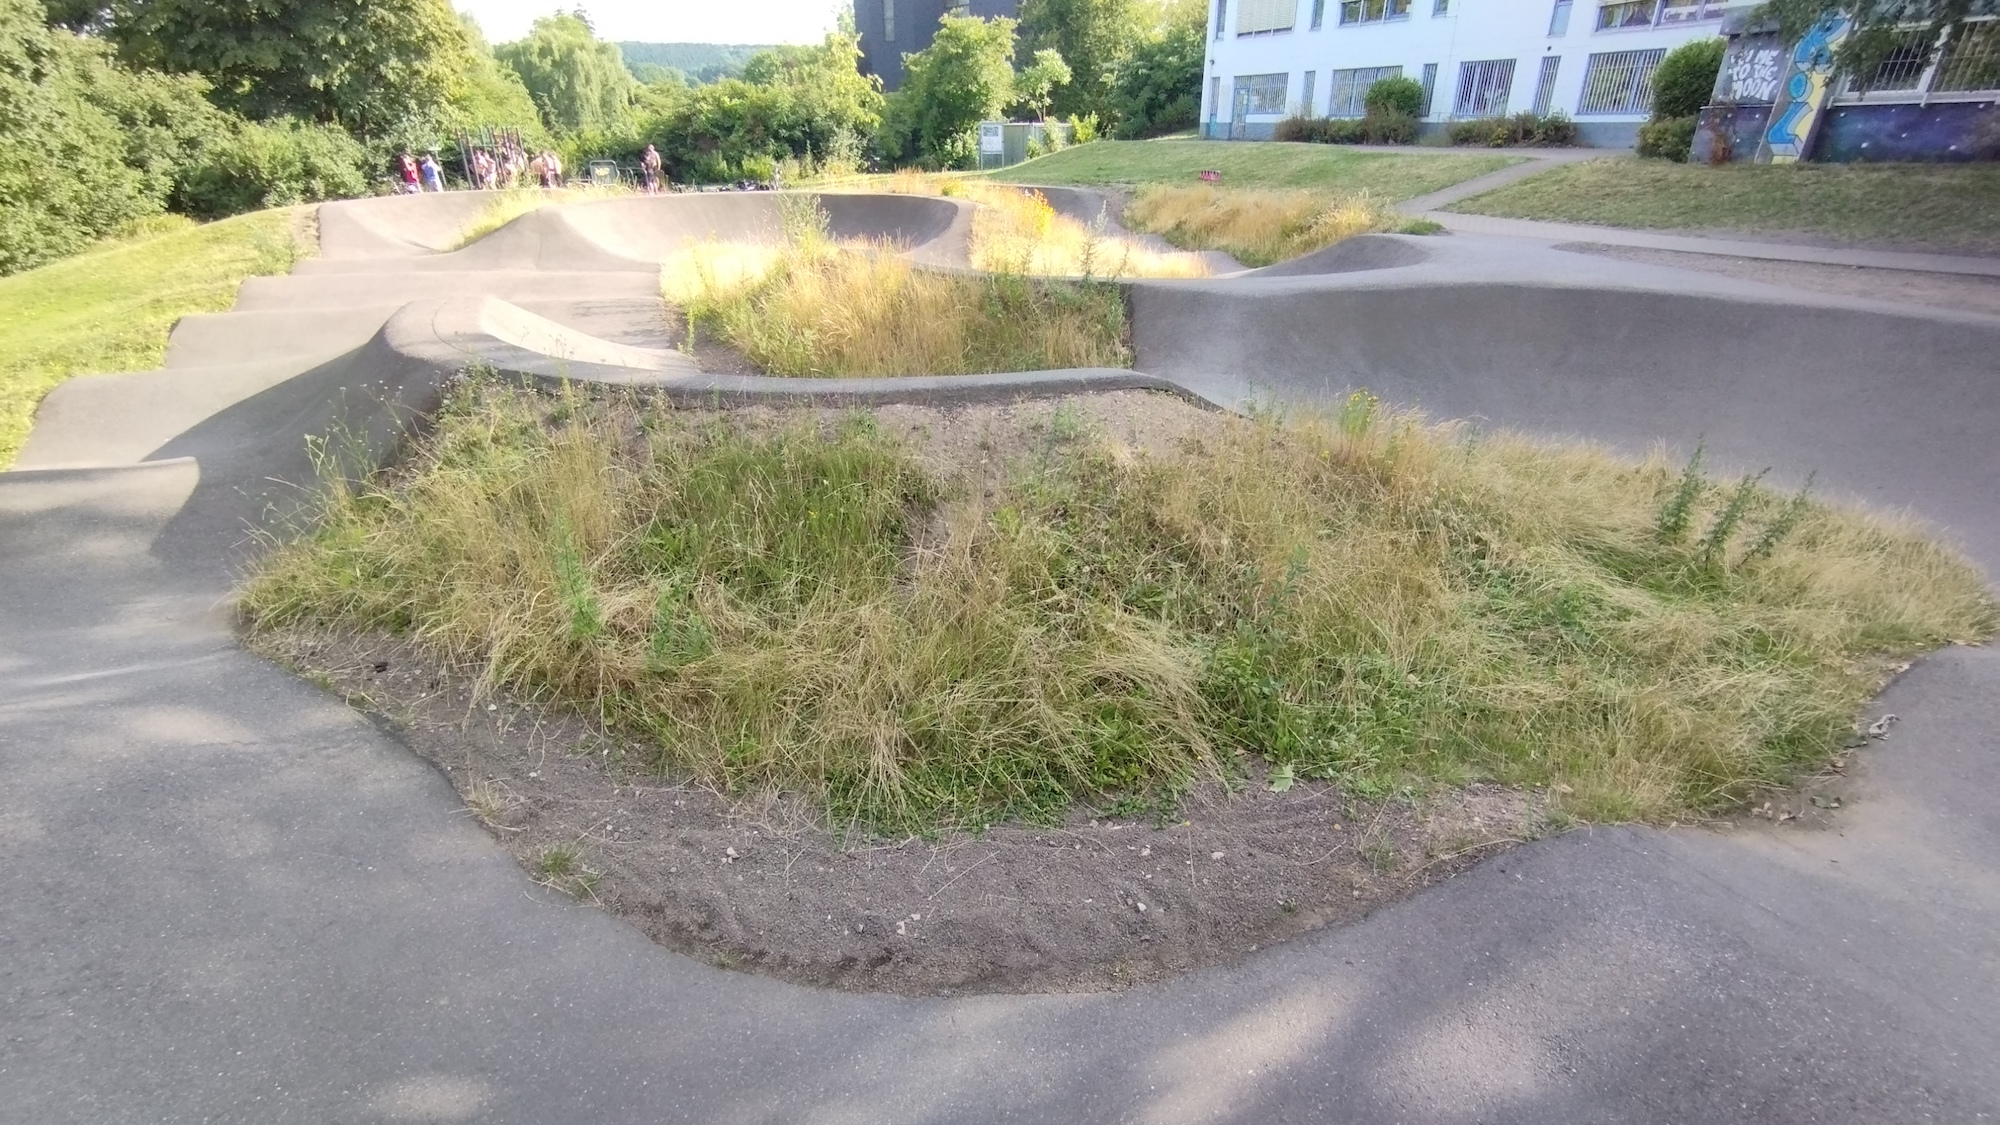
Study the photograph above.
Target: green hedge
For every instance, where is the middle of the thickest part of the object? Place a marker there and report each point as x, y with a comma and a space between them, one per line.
1520, 129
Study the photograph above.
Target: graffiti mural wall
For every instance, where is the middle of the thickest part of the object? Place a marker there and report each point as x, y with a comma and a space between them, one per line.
1777, 101
1803, 95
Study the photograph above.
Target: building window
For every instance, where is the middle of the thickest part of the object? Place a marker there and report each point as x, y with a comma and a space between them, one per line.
1221, 16
1319, 13
1545, 84
1440, 7
1626, 13
1970, 60
1901, 68
1214, 98
1306, 93
889, 21
1265, 17
1687, 11
1347, 90
1483, 88
1559, 20
1430, 87
1262, 95
1373, 11
1620, 82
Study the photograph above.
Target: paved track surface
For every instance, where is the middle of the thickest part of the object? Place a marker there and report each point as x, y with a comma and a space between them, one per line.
224, 897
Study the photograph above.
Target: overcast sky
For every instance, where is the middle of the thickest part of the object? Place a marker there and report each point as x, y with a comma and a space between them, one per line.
668, 21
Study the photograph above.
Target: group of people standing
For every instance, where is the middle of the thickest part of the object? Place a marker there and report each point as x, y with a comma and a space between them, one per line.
507, 167
512, 167
419, 175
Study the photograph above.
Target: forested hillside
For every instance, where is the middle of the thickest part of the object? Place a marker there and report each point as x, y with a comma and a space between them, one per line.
697, 62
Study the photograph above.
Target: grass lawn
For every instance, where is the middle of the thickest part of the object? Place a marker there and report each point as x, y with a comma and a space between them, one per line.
1387, 176
1943, 205
110, 308
1030, 613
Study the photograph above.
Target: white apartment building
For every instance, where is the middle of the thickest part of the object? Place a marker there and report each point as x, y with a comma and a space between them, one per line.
1590, 59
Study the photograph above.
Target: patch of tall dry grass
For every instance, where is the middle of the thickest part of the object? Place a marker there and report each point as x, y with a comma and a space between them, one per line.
1258, 228
1366, 597
810, 307
1015, 230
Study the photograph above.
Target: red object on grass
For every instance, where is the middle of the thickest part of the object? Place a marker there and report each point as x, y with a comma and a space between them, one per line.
1210, 176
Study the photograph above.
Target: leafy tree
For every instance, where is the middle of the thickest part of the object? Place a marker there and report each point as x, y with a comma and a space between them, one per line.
1158, 90
825, 100
361, 64
491, 94
1881, 28
964, 77
578, 81
1036, 84
1094, 37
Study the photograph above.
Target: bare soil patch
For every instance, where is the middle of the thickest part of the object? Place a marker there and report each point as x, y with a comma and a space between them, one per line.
713, 356
759, 882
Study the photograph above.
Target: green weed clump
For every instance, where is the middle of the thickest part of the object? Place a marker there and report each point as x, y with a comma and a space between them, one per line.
799, 602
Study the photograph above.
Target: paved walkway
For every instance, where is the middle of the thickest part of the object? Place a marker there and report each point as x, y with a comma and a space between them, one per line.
1535, 161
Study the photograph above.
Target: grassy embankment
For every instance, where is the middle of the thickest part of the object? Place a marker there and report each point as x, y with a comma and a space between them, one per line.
1948, 206
800, 602
1274, 201
1389, 176
111, 308
809, 306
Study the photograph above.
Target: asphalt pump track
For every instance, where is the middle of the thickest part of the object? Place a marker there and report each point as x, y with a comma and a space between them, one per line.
225, 896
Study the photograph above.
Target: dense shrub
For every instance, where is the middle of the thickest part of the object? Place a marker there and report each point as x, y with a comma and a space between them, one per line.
1318, 130
1669, 138
64, 181
1520, 129
1399, 95
166, 120
275, 164
1388, 127
1685, 80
